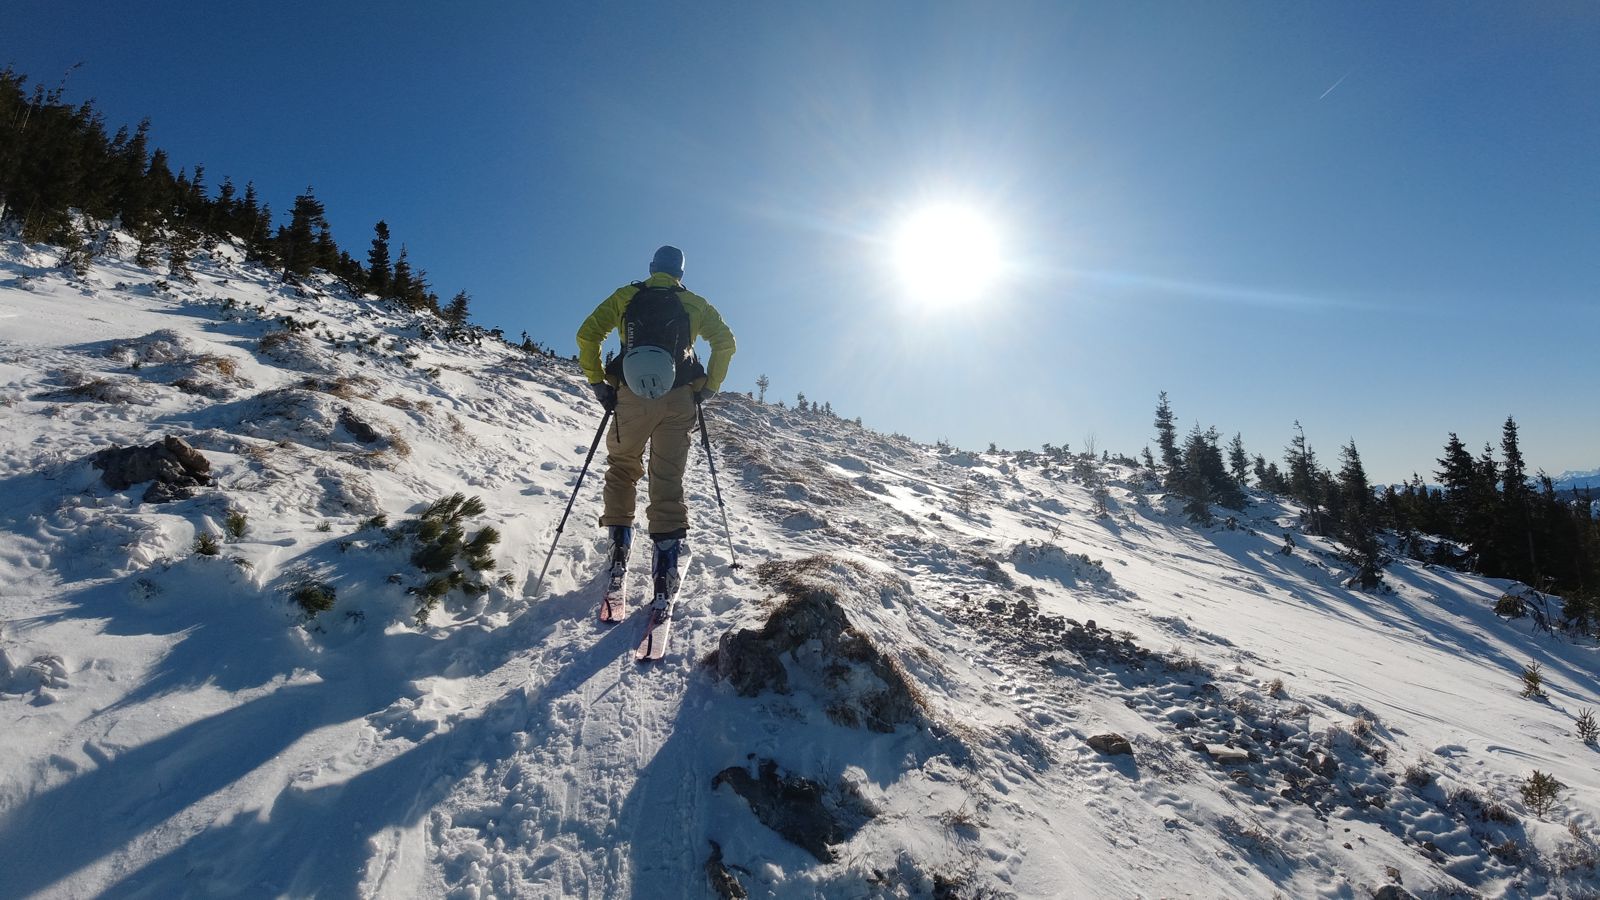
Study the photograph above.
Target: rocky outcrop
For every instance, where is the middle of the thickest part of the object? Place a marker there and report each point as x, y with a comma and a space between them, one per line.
805, 812
1112, 744
809, 641
174, 468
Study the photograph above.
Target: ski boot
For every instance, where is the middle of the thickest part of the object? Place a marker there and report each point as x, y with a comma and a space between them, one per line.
614, 604
664, 569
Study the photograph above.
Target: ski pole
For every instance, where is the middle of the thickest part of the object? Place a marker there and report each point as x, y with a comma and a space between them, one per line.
705, 439
599, 433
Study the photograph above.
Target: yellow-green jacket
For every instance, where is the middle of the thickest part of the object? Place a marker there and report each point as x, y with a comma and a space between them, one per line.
704, 322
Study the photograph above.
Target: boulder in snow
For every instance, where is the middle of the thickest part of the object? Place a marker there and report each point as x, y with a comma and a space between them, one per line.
172, 465
1110, 744
809, 642
805, 812
1224, 753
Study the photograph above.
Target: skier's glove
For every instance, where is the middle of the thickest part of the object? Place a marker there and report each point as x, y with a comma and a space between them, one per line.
606, 394
702, 397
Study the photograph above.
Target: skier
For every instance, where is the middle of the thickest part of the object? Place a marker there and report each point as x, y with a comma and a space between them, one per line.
654, 387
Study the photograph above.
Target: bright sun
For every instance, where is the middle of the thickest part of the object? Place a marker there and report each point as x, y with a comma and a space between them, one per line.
947, 254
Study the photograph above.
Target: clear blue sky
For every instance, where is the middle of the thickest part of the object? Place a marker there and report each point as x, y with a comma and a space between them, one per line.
1380, 219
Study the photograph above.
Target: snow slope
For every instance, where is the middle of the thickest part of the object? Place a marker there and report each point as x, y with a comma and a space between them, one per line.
175, 725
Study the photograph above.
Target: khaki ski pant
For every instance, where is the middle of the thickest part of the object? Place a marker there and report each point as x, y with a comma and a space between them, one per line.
665, 424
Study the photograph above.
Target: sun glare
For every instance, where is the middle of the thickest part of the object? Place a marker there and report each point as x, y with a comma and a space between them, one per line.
947, 254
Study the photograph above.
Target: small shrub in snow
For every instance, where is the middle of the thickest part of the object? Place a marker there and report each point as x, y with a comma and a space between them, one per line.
1578, 856
1533, 681
272, 340
314, 597
1510, 606
1570, 858
1275, 688
1540, 792
378, 521
1588, 729
222, 365
1418, 775
1468, 803
1362, 727
205, 544
1180, 660
1102, 502
441, 539
1509, 852
324, 527
236, 523
1249, 837
963, 821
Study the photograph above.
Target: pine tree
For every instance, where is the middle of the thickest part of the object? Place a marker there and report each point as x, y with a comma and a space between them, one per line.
350, 272
1357, 526
379, 280
327, 252
298, 245
1516, 516
1305, 479
421, 296
162, 188
182, 240
1237, 461
1190, 481
761, 385
1167, 437
223, 209
132, 196
400, 285
456, 312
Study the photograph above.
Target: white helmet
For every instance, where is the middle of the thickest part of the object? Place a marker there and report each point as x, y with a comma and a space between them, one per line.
649, 371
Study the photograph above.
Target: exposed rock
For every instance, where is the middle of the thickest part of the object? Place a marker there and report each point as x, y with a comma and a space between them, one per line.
800, 810
175, 468
1224, 753
1393, 892
723, 881
190, 458
1322, 763
1111, 744
358, 429
810, 638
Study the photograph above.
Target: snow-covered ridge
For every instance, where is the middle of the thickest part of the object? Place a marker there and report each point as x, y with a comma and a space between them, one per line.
916, 681
1572, 481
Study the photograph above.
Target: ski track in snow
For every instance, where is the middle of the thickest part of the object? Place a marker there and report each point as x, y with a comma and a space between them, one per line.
173, 729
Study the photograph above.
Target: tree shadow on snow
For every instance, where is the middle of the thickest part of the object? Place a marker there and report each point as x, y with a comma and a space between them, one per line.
1448, 620
315, 841
310, 841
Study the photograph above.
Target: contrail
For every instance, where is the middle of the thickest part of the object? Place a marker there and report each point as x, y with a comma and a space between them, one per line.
1335, 85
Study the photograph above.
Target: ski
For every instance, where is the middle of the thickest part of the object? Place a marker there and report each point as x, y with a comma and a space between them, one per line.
653, 646
614, 603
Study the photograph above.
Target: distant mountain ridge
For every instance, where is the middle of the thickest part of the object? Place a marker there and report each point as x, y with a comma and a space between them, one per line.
1572, 481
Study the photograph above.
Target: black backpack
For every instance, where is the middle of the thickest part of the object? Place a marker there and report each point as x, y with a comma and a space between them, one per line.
655, 317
